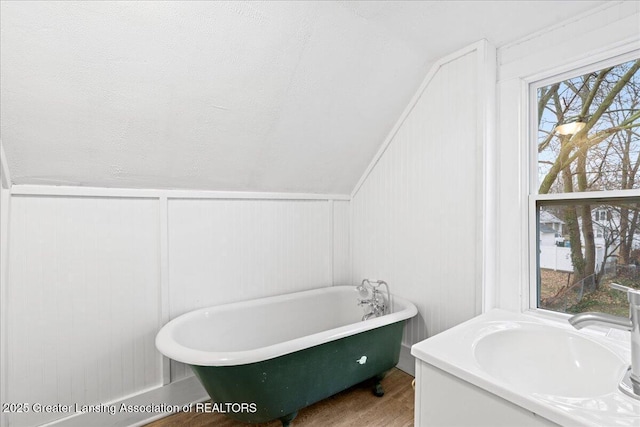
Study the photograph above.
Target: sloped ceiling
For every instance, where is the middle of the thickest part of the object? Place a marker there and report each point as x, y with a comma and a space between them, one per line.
245, 96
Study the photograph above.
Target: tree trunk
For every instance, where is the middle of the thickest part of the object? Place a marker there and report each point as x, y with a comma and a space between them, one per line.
625, 246
585, 213
628, 229
571, 220
589, 241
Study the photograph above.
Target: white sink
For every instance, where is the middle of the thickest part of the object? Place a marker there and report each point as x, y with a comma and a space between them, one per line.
541, 365
538, 359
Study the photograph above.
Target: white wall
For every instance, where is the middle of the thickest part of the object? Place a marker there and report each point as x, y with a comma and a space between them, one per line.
341, 243
5, 186
82, 300
222, 251
94, 273
417, 218
602, 33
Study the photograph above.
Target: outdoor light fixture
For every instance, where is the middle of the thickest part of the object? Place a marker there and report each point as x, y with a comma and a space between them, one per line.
571, 127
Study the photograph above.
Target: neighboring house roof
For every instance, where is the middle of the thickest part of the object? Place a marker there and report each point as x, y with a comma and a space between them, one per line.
549, 218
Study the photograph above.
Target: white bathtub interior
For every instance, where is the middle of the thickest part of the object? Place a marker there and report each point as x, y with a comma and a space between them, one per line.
259, 323
260, 329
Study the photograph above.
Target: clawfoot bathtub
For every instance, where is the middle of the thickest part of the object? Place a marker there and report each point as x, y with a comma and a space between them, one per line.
268, 358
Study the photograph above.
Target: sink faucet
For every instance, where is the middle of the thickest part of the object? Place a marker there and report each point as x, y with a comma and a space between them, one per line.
630, 383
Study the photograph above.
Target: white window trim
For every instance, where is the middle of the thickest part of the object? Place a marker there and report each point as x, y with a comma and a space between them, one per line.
529, 86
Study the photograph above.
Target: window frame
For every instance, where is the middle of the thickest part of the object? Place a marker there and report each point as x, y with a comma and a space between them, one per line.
530, 88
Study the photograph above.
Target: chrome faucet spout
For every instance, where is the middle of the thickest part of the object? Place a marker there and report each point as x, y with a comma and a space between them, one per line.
368, 316
581, 320
630, 383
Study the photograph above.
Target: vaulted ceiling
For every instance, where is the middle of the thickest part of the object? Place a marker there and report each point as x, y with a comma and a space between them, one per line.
246, 96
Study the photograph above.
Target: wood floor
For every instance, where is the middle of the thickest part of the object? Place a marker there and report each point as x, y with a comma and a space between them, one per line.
354, 407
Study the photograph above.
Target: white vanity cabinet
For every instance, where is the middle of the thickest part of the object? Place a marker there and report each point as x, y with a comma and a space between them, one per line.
443, 400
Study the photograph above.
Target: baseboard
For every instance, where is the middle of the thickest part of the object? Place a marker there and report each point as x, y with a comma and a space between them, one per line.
180, 394
407, 362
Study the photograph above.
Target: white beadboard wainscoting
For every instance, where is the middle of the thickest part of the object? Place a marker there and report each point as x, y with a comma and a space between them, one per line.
419, 215
94, 273
82, 299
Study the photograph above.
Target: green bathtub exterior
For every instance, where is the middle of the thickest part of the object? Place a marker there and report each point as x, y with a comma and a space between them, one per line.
281, 386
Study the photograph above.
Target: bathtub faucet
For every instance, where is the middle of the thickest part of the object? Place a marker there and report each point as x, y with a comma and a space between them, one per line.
630, 383
376, 302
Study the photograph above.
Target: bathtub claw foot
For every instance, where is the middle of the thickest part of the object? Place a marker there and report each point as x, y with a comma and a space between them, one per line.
286, 420
377, 386
378, 390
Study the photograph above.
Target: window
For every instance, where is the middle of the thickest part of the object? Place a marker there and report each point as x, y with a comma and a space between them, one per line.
587, 192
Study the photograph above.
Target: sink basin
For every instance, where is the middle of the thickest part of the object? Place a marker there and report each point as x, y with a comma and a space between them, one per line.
550, 361
541, 365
